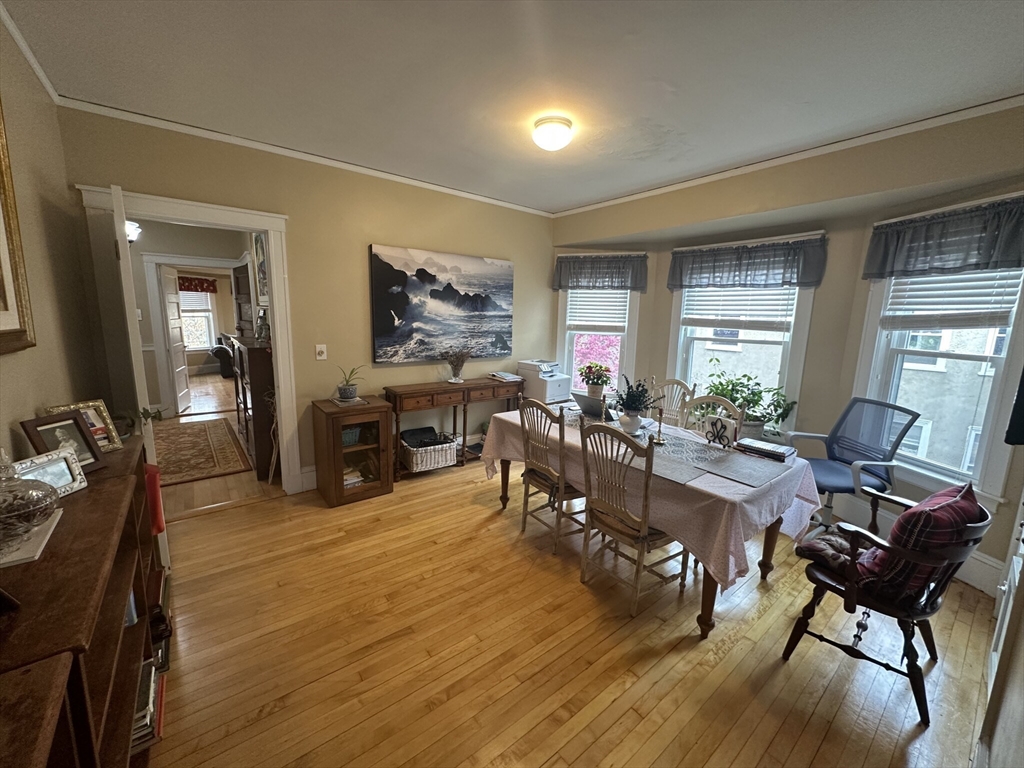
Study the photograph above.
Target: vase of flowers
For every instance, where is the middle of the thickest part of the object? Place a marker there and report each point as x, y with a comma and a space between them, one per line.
347, 386
596, 377
456, 358
633, 401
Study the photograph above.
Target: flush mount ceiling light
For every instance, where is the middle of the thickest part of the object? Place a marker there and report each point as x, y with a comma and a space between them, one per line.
132, 230
552, 133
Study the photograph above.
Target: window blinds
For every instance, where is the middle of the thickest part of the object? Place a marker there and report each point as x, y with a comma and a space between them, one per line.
192, 300
753, 309
984, 299
597, 311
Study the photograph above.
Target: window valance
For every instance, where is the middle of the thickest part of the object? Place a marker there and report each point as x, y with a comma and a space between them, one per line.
776, 264
983, 237
196, 284
595, 272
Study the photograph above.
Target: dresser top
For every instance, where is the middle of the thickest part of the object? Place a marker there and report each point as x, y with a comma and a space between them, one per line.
373, 404
432, 387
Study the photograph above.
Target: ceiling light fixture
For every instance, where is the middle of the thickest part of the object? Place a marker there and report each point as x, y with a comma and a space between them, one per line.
552, 133
132, 230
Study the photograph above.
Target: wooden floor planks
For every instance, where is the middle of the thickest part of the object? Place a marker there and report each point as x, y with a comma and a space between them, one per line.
423, 629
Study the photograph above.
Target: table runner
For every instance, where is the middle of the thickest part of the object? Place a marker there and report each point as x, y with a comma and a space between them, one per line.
711, 516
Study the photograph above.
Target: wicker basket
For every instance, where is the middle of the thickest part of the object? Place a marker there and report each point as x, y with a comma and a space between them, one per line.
431, 457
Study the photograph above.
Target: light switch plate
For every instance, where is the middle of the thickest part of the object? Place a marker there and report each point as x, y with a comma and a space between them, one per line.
321, 351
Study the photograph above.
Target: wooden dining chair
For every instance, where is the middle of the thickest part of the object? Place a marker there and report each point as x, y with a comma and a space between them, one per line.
545, 468
697, 413
609, 457
675, 393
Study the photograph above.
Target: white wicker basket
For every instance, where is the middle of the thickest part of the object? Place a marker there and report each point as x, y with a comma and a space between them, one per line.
431, 457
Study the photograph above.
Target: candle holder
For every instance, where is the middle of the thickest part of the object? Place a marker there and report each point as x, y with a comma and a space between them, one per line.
659, 440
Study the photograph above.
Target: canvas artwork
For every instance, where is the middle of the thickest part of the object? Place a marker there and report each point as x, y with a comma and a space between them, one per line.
425, 302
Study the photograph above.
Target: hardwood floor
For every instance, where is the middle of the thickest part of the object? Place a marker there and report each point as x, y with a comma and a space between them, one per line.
422, 629
211, 393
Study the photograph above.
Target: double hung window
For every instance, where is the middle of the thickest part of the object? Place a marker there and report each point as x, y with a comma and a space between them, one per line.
197, 320
597, 326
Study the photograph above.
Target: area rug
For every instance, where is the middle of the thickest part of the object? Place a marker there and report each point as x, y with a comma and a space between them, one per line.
197, 450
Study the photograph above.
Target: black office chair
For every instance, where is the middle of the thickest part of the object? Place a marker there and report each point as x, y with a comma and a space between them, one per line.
860, 450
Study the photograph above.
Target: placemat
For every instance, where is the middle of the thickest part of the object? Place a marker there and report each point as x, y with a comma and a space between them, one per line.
749, 470
674, 469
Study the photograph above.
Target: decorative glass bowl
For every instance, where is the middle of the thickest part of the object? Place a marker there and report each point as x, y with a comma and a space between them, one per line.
24, 504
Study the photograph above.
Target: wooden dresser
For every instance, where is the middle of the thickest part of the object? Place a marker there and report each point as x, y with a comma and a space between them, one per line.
254, 379
69, 668
440, 394
353, 450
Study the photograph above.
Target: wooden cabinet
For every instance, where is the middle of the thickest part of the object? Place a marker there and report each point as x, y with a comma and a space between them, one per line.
353, 450
69, 667
254, 380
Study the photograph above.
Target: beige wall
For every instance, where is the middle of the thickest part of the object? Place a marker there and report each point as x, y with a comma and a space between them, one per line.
59, 369
333, 216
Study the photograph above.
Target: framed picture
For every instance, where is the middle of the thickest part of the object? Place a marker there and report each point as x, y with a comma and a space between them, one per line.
259, 269
424, 301
65, 430
59, 468
97, 418
16, 331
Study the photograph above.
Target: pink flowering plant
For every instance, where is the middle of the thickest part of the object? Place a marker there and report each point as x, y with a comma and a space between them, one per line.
595, 375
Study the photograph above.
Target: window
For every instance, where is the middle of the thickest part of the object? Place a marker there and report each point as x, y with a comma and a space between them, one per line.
956, 324
740, 330
597, 326
915, 442
196, 320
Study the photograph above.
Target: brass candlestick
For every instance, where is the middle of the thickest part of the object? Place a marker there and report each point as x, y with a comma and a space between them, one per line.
659, 440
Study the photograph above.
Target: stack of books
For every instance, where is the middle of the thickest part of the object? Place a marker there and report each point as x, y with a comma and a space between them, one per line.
149, 708
764, 449
160, 627
353, 477
352, 401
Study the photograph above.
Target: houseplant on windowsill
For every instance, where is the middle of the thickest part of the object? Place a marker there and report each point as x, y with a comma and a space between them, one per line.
347, 388
632, 401
596, 377
764, 405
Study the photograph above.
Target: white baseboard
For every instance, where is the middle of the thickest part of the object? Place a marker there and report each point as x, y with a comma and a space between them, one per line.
980, 571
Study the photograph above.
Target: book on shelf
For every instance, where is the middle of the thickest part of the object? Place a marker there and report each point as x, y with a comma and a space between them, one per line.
345, 403
148, 736
162, 655
145, 701
765, 449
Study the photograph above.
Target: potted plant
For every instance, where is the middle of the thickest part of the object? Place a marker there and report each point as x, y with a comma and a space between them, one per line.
764, 405
456, 358
596, 377
632, 401
347, 387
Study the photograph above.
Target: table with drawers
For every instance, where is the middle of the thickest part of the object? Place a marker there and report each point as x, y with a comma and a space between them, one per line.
439, 394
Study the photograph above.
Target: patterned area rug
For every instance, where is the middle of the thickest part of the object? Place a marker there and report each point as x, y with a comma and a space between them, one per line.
197, 450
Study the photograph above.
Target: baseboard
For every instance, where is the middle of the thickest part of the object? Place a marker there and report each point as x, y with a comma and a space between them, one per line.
980, 571
308, 478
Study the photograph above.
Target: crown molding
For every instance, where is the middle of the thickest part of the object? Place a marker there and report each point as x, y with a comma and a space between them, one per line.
30, 57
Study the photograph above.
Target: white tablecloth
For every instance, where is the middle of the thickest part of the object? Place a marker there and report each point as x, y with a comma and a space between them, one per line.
711, 516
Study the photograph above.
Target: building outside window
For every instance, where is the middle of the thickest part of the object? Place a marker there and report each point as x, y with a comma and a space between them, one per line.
197, 320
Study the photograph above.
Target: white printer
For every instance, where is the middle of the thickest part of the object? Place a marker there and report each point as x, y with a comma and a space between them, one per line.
543, 381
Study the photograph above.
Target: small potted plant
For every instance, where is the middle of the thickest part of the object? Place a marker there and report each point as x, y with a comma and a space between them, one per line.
632, 401
596, 377
456, 358
764, 405
347, 387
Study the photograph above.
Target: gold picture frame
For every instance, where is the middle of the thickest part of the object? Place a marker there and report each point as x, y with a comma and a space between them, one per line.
16, 329
97, 418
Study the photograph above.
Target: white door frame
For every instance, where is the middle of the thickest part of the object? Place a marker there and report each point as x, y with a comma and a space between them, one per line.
151, 263
223, 217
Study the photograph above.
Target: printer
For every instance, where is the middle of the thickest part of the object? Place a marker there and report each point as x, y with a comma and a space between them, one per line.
542, 380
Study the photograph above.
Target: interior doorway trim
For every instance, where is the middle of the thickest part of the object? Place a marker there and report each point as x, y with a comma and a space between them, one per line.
192, 213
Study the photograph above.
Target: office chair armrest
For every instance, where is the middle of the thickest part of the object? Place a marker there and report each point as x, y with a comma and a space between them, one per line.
791, 436
855, 469
899, 501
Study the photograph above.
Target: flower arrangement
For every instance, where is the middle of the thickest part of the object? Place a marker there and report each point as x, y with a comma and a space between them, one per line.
636, 397
456, 358
595, 374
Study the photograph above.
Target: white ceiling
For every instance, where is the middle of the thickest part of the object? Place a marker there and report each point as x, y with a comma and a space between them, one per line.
446, 92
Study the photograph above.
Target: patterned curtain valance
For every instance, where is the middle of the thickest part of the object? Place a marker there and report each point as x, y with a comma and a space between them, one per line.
762, 265
197, 284
983, 237
595, 272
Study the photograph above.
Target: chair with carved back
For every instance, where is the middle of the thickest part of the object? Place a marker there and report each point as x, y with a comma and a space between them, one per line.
904, 578
545, 468
697, 413
610, 457
675, 393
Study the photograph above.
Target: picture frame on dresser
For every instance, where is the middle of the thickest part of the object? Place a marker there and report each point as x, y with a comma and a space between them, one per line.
98, 418
65, 430
58, 468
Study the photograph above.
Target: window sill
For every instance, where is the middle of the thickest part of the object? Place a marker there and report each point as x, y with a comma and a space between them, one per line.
934, 482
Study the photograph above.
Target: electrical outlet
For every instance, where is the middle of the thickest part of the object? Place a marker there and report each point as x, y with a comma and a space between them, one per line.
321, 351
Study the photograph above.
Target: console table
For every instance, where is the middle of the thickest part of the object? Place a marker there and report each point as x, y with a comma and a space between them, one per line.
439, 394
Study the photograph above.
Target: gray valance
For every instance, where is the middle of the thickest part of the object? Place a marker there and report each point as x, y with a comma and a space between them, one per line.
763, 265
596, 272
984, 237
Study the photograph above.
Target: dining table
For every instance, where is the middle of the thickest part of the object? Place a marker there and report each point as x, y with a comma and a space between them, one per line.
709, 498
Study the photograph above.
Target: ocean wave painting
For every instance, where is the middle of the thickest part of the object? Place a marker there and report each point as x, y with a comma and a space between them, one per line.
425, 302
